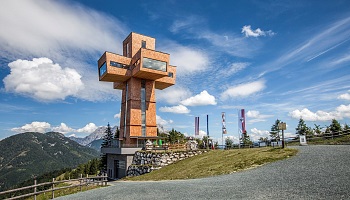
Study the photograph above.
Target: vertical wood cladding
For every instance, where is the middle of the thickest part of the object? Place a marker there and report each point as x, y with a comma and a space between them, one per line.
128, 74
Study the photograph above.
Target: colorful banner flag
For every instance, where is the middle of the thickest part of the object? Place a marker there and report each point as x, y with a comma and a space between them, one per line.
241, 121
196, 125
223, 123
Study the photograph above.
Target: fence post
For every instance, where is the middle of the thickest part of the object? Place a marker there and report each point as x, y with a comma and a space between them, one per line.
53, 188
34, 189
86, 181
81, 178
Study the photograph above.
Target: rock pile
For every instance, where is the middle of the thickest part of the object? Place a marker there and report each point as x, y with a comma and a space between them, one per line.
145, 162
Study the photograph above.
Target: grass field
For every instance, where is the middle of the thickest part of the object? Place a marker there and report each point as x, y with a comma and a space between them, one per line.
217, 162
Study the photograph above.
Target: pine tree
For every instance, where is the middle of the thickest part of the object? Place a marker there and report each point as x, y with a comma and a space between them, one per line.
275, 131
107, 141
317, 129
116, 134
302, 128
335, 127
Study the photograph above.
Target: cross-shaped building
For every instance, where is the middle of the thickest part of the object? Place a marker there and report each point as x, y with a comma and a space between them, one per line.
138, 72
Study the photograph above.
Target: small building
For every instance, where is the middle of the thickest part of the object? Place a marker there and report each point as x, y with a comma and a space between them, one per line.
138, 73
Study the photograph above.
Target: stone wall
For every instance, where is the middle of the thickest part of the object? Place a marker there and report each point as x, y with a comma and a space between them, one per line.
146, 161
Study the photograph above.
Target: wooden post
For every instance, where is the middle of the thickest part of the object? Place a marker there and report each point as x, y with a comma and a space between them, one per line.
81, 178
34, 189
53, 188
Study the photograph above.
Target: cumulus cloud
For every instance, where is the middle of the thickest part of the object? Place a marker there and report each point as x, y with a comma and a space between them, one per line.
233, 138
42, 80
89, 128
248, 32
188, 60
342, 111
173, 95
40, 127
255, 134
63, 128
255, 116
243, 90
202, 99
68, 33
180, 109
162, 121
345, 96
43, 127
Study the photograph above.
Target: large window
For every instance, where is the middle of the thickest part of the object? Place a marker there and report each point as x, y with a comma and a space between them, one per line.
154, 64
103, 69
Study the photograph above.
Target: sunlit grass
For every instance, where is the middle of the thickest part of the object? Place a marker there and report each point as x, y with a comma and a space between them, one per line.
217, 162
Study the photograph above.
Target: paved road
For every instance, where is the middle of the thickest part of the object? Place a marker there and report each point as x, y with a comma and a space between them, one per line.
317, 172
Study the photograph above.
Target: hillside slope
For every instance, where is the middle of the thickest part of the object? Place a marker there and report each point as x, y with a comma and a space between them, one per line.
25, 155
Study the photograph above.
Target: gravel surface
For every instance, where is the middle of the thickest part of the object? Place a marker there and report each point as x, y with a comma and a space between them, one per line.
317, 172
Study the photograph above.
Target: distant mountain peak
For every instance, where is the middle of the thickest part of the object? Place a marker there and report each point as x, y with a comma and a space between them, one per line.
98, 134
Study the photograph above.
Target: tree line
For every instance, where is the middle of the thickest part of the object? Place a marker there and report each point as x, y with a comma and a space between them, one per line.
302, 129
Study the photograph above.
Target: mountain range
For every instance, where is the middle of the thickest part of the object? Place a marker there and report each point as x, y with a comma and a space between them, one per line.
26, 155
95, 139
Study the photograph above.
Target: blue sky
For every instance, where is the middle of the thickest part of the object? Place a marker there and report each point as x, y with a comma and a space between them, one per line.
276, 59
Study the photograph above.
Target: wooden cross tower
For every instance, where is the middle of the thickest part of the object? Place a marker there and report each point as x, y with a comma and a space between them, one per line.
138, 72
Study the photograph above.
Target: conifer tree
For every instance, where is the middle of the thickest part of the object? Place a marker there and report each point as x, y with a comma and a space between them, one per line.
107, 141
335, 127
275, 131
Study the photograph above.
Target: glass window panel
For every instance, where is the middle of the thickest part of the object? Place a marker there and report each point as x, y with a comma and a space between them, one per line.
170, 74
116, 64
103, 69
143, 44
154, 64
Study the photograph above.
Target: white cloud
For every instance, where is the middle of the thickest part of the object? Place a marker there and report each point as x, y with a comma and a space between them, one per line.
255, 134
117, 115
66, 32
49, 26
173, 95
202, 99
201, 133
180, 109
345, 96
89, 128
248, 32
187, 23
42, 80
340, 112
162, 121
187, 60
43, 127
40, 127
233, 69
63, 128
255, 116
243, 90
233, 138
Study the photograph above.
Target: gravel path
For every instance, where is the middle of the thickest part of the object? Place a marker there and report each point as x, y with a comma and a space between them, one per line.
317, 172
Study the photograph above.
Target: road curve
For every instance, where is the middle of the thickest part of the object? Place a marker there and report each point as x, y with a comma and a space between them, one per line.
317, 172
